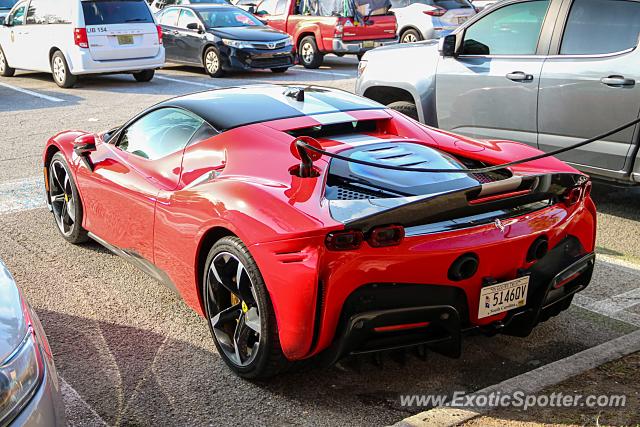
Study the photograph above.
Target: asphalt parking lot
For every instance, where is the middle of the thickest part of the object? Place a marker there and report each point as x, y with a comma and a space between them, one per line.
131, 352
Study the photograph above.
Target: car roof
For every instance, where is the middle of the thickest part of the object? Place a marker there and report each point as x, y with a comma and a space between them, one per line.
233, 107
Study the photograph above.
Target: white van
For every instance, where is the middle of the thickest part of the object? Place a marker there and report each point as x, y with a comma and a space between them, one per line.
69, 38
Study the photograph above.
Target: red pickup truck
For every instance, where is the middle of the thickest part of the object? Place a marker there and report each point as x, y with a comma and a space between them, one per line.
342, 27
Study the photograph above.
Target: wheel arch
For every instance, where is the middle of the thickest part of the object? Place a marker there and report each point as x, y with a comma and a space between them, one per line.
388, 94
209, 238
409, 27
308, 32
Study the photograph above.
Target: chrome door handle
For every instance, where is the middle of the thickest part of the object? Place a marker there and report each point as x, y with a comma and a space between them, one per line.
617, 81
519, 76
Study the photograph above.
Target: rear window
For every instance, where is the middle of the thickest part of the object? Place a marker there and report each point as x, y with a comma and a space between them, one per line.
106, 12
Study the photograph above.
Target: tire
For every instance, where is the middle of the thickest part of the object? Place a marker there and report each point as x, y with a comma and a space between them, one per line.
279, 70
65, 201
5, 70
212, 62
60, 70
232, 329
310, 56
144, 75
410, 36
407, 108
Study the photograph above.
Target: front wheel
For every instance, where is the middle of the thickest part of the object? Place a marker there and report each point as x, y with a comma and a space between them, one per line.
310, 56
213, 62
144, 76
65, 201
5, 70
60, 70
406, 108
410, 36
239, 312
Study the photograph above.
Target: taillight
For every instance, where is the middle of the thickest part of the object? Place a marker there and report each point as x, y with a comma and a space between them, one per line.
390, 235
438, 11
80, 37
347, 240
159, 28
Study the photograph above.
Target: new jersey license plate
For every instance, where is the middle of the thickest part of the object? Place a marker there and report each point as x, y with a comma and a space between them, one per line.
368, 44
125, 39
503, 297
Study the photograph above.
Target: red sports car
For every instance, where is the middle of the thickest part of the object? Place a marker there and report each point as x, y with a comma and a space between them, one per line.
331, 256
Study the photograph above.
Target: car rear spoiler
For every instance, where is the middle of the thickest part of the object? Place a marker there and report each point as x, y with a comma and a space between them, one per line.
509, 193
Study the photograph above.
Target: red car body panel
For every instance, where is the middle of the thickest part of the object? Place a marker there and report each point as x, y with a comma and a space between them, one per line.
324, 28
240, 181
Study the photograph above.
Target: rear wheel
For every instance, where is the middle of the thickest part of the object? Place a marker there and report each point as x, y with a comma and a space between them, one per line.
410, 36
144, 75
241, 318
213, 62
60, 70
406, 108
65, 201
5, 70
280, 70
309, 54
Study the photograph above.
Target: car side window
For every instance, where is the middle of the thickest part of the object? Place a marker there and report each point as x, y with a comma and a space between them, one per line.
187, 17
601, 26
160, 133
48, 12
268, 7
281, 7
170, 17
18, 15
509, 30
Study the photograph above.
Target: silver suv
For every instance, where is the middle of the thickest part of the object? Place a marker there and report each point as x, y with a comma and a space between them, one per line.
548, 73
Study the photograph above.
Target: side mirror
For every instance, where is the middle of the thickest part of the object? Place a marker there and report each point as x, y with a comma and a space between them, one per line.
447, 46
84, 144
252, 10
195, 27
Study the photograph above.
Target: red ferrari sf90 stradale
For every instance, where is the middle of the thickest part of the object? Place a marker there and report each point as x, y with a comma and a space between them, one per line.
331, 256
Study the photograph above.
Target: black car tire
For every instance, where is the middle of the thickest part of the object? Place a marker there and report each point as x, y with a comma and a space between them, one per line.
410, 36
407, 108
212, 62
5, 70
310, 56
60, 70
61, 187
269, 359
279, 70
144, 75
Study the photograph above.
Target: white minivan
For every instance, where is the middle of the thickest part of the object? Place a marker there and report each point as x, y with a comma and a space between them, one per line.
69, 38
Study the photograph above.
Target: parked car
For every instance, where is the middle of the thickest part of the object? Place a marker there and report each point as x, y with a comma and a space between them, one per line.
69, 38
29, 388
290, 254
222, 38
5, 7
429, 19
319, 27
157, 5
542, 72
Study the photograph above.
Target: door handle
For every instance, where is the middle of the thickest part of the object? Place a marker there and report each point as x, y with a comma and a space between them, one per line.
617, 81
519, 76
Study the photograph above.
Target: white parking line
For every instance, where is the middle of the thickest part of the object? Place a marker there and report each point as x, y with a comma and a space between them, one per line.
21, 195
187, 82
77, 411
324, 71
29, 92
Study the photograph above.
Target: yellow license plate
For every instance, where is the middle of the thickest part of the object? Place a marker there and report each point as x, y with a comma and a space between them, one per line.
368, 44
126, 39
503, 297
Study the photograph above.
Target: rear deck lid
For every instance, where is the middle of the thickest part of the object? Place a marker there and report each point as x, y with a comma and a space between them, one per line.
120, 29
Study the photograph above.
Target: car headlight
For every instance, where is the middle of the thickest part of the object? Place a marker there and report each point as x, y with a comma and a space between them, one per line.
239, 44
20, 376
362, 65
288, 41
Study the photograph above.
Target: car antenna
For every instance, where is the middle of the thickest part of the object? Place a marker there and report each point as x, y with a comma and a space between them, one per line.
295, 92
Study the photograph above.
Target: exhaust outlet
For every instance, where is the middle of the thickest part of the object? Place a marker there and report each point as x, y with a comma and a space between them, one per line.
464, 267
538, 249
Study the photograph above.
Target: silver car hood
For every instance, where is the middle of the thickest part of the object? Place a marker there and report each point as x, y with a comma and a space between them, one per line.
12, 324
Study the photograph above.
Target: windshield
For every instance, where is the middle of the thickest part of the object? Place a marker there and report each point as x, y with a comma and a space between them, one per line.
7, 4
105, 12
218, 18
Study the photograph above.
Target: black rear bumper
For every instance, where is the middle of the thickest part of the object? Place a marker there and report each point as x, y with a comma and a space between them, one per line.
379, 317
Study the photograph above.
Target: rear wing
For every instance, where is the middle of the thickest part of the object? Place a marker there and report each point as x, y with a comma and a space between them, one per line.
506, 194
